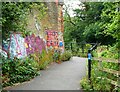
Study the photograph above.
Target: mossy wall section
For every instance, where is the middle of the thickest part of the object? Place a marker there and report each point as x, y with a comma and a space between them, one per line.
48, 22
52, 20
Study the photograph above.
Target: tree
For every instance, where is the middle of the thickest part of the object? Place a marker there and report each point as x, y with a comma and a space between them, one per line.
96, 22
111, 20
88, 14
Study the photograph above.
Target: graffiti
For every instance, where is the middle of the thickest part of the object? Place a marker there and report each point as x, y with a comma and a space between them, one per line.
29, 44
4, 48
21, 47
52, 38
5, 45
16, 46
55, 40
34, 44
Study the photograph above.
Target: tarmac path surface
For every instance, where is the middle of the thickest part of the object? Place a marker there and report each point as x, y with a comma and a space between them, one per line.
64, 76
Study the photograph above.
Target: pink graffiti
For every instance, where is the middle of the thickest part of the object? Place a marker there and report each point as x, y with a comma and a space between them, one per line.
52, 38
35, 44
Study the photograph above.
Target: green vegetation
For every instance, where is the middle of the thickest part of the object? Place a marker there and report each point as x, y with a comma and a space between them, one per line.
106, 52
80, 50
17, 71
56, 56
66, 56
99, 78
43, 59
21, 70
95, 22
15, 16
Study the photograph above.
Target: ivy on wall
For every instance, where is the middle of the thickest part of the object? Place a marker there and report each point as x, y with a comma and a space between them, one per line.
15, 16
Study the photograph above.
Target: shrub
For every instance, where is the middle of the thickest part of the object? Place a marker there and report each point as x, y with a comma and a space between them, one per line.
43, 59
98, 78
85, 84
15, 71
56, 57
94, 53
80, 54
66, 56
107, 52
104, 53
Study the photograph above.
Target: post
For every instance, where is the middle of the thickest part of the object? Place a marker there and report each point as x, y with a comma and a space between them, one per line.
89, 64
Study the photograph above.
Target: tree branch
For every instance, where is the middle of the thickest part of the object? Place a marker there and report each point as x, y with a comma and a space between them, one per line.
70, 20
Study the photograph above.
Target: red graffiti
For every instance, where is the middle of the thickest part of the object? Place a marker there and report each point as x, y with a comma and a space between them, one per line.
52, 38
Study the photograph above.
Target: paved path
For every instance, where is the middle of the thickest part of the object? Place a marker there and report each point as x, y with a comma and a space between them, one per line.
64, 76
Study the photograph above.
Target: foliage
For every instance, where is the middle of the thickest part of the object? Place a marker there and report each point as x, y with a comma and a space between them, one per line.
111, 19
15, 71
80, 54
94, 22
85, 84
15, 16
98, 78
56, 56
66, 56
84, 51
106, 52
43, 59
79, 50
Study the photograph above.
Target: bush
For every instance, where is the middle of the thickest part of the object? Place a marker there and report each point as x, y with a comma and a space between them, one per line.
85, 84
94, 53
80, 54
98, 78
15, 71
56, 57
66, 56
43, 59
107, 52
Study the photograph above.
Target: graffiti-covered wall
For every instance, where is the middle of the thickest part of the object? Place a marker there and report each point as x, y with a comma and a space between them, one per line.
16, 46
46, 32
34, 44
54, 40
51, 24
21, 47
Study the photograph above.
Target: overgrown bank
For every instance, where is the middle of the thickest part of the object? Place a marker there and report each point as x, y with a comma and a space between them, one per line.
100, 79
21, 70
